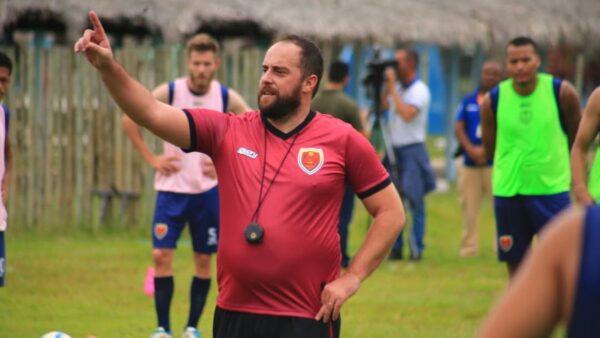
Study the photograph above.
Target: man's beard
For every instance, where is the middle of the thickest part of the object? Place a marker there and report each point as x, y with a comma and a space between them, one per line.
282, 107
200, 84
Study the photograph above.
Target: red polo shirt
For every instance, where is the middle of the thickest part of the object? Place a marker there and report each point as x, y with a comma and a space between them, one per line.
299, 254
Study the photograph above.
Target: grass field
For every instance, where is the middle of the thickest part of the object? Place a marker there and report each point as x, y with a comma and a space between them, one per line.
91, 283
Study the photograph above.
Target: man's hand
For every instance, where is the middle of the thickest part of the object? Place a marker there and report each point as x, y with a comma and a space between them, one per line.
335, 294
208, 168
477, 153
166, 165
390, 77
95, 44
582, 195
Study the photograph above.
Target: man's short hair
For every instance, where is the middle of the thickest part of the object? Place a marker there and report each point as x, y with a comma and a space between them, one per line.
311, 60
338, 71
202, 42
523, 41
5, 62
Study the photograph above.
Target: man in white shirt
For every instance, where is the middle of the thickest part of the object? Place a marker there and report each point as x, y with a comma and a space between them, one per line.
408, 102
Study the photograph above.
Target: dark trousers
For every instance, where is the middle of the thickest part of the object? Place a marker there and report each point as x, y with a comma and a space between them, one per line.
345, 218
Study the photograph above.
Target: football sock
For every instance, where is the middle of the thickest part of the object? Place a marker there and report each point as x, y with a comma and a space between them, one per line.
163, 293
198, 293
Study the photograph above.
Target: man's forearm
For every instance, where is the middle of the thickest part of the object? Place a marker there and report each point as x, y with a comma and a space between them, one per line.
578, 163
405, 111
379, 240
133, 98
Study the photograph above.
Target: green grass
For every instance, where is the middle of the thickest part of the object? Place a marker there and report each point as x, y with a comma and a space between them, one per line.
91, 283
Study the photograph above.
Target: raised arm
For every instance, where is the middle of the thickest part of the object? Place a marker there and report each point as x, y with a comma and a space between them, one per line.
168, 123
570, 110
388, 219
588, 129
488, 127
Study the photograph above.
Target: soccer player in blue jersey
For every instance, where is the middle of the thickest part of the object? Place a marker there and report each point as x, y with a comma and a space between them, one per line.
5, 157
558, 282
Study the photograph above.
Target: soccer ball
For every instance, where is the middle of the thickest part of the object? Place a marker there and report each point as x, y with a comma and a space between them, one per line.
56, 334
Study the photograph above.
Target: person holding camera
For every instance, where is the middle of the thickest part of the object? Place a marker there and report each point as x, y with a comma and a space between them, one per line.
408, 102
282, 173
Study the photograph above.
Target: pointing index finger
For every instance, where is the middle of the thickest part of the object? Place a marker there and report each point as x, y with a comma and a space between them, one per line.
97, 24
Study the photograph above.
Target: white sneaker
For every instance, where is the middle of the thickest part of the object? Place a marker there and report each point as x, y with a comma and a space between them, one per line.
160, 333
191, 332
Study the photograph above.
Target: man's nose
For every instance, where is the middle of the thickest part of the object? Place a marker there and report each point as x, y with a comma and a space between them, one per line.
266, 78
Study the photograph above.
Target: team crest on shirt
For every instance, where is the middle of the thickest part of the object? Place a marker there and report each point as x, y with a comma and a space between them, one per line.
160, 230
525, 113
310, 160
505, 242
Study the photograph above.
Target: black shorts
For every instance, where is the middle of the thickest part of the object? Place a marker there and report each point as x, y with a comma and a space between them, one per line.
232, 324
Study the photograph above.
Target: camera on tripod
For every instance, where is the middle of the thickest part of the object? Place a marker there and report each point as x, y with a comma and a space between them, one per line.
376, 72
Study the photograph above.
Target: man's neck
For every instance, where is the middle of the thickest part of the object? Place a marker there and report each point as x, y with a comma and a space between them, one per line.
334, 86
410, 77
292, 120
195, 89
526, 88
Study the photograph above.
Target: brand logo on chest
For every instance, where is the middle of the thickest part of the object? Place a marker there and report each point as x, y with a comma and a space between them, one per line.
310, 160
247, 152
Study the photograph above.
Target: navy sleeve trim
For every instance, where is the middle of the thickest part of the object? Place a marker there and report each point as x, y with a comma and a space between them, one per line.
375, 189
171, 91
556, 83
494, 95
193, 140
225, 96
6, 118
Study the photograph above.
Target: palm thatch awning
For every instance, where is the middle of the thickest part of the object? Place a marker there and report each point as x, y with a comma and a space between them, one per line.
463, 23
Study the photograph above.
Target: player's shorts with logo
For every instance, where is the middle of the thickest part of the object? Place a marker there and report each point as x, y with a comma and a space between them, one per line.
199, 211
520, 217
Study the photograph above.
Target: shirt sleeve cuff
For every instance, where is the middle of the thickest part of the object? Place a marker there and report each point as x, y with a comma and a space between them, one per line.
378, 187
193, 141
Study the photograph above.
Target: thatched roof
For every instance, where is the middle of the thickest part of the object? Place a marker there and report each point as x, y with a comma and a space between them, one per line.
448, 23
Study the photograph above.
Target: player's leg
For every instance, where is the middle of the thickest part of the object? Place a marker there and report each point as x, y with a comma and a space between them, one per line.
166, 229
417, 237
471, 188
514, 231
204, 229
489, 195
345, 218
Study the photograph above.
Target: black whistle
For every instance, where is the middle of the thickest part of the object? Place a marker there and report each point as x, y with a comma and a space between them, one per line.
254, 233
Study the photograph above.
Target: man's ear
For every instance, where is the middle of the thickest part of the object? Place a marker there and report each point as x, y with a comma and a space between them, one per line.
310, 83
